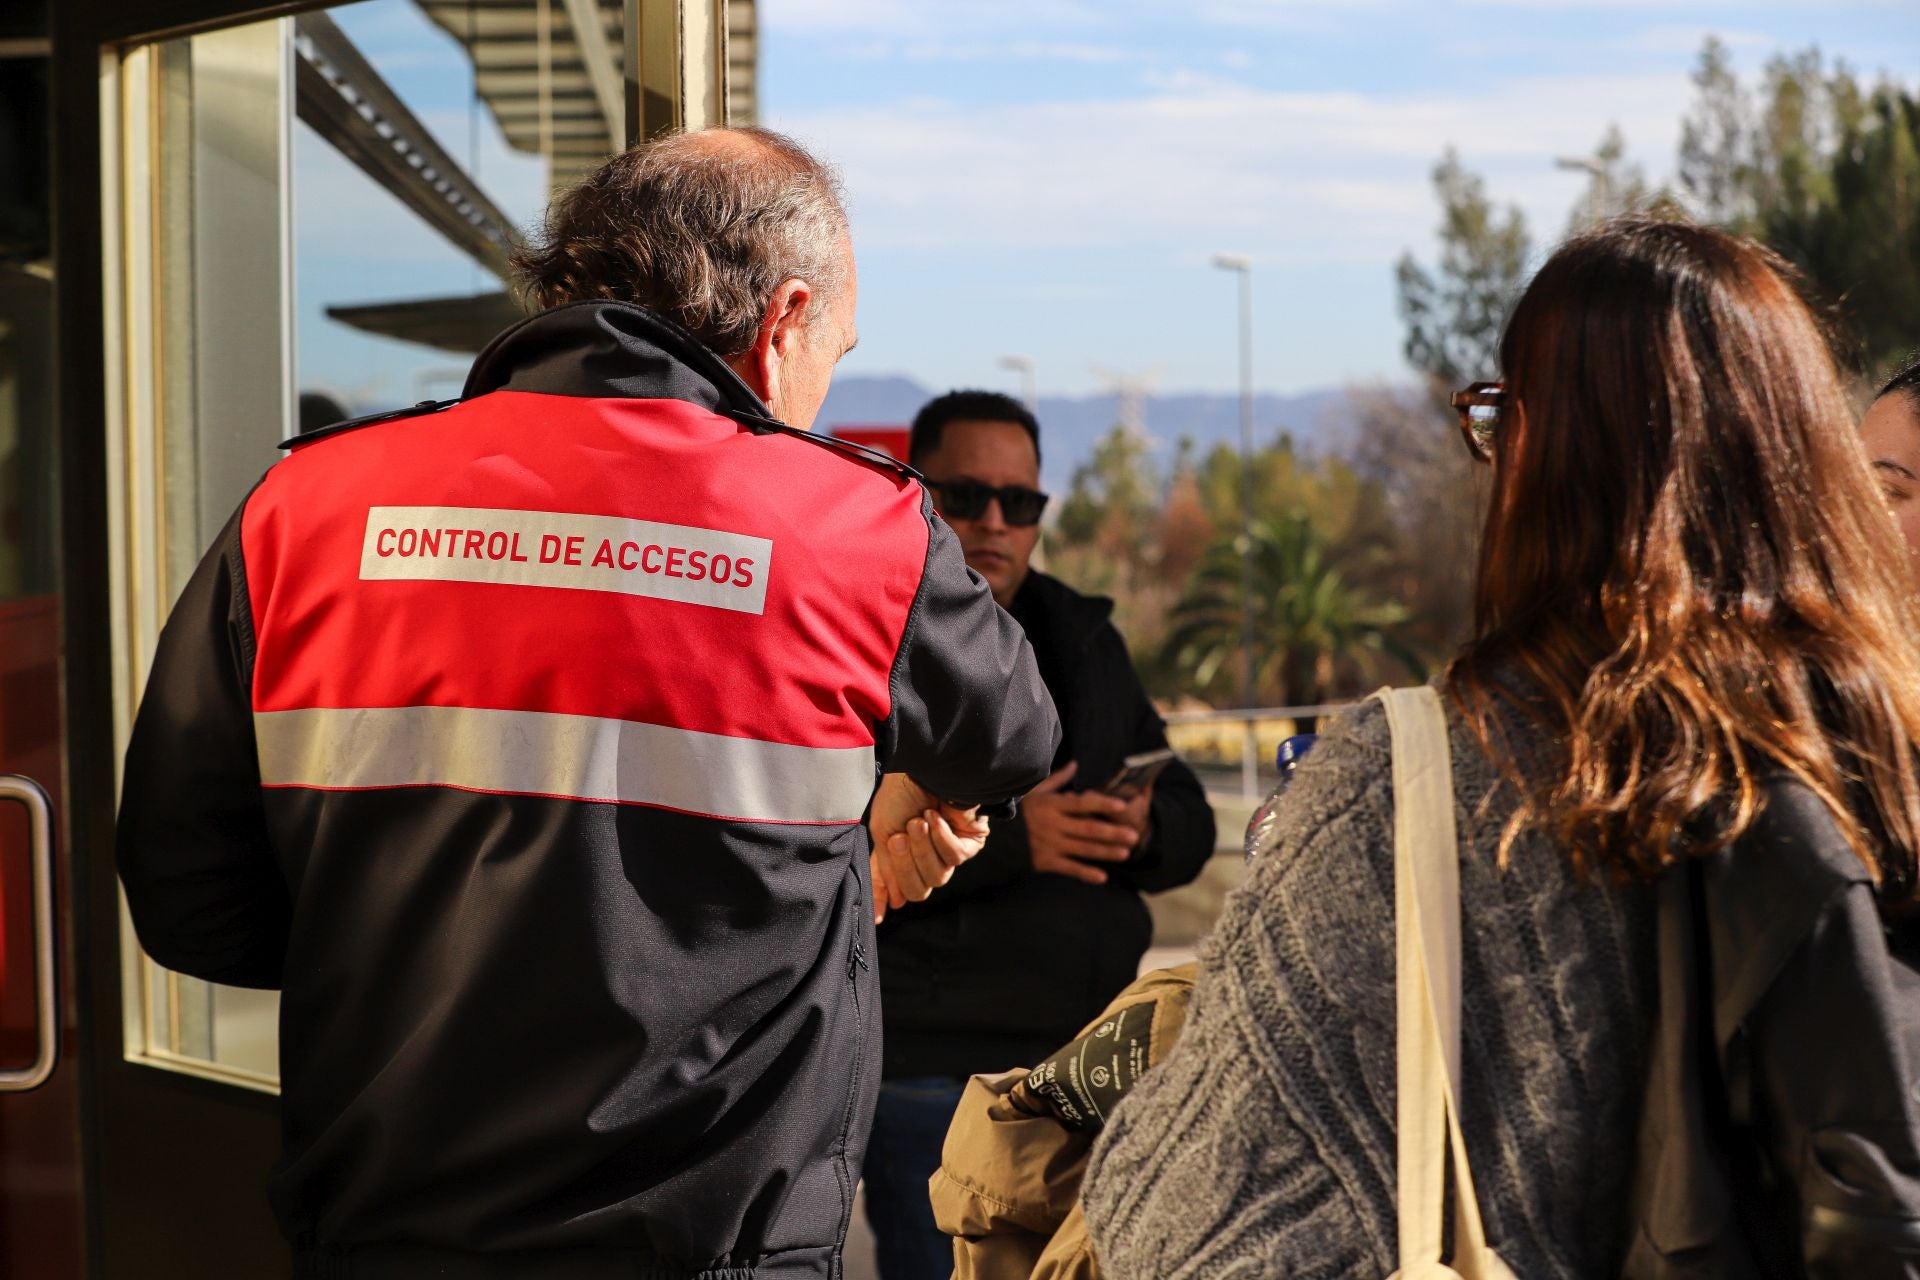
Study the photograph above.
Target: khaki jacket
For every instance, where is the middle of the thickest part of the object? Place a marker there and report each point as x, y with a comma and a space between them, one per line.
1008, 1185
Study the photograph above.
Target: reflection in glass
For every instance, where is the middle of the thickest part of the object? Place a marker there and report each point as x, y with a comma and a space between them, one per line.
316, 217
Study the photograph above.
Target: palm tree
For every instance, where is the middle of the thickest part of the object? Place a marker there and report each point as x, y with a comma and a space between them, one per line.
1310, 623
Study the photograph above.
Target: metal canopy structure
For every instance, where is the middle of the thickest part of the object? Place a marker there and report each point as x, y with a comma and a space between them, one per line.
462, 324
346, 102
552, 74
743, 62
552, 71
553, 86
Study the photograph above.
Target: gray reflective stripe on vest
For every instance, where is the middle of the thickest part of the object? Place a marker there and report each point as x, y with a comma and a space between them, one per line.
571, 757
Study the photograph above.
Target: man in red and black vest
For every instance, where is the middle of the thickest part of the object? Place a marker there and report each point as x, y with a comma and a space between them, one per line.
530, 746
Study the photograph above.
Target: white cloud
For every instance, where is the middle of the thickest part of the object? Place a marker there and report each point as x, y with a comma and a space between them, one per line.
1200, 162
1739, 6
1189, 80
1291, 15
1688, 40
983, 51
927, 17
1657, 40
1017, 16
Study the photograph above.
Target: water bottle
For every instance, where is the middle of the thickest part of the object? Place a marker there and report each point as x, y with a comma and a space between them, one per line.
1264, 828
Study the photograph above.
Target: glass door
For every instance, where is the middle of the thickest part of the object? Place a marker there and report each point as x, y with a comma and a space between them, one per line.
194, 157
316, 218
307, 218
40, 1149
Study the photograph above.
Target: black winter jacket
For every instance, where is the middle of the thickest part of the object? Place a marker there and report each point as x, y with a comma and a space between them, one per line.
1780, 1136
1004, 965
525, 746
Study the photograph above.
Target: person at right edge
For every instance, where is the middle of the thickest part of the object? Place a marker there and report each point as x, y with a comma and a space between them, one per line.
1686, 770
1891, 432
1036, 933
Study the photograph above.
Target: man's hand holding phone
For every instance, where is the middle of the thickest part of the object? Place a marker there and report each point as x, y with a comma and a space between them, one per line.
1080, 833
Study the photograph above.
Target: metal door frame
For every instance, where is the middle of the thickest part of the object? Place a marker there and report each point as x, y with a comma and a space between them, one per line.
155, 1143
161, 1148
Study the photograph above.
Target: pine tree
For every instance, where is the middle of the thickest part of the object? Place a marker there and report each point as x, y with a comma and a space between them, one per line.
1455, 311
1715, 172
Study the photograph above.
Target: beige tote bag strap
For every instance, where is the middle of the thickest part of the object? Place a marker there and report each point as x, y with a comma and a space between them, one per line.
1426, 885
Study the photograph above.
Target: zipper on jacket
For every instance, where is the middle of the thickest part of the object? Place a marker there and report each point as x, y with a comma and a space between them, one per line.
858, 957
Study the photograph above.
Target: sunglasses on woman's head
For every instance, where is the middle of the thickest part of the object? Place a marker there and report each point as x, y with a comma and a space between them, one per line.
968, 499
1480, 406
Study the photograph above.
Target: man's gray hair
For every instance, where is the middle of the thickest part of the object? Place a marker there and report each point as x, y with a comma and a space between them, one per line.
699, 227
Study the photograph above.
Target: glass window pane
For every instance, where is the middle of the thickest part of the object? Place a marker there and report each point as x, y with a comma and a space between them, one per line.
316, 217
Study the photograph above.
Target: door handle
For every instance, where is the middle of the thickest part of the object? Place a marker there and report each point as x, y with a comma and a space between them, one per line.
46, 1013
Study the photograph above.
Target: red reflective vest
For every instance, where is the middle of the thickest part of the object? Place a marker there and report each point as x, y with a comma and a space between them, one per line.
525, 746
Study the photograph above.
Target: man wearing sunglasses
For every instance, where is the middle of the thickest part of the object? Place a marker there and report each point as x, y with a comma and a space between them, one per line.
1032, 938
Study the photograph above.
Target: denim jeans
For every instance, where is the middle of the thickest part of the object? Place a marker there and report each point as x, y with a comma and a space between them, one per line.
909, 1126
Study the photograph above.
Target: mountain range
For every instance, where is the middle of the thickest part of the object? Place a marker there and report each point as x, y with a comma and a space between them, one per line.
1070, 426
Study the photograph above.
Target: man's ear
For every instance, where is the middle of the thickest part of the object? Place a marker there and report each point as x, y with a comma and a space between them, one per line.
781, 323
787, 313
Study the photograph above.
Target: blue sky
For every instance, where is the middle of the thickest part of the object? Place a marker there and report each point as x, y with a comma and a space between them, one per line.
1050, 177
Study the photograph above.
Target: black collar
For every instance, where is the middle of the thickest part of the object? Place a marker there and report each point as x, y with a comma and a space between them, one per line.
1074, 619
604, 348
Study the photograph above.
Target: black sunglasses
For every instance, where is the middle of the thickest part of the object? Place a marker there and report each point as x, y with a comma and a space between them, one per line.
968, 499
1480, 407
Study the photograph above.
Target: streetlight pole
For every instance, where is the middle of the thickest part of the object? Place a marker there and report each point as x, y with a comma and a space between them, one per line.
1029, 384
1249, 751
1597, 192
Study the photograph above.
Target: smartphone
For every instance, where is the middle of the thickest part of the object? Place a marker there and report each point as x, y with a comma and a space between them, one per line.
1138, 772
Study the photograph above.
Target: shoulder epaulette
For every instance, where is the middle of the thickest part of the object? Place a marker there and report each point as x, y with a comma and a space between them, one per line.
351, 424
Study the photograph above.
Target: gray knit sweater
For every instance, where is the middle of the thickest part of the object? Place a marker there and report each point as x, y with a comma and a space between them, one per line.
1264, 1146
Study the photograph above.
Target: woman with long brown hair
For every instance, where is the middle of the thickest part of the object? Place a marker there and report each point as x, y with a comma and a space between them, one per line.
1684, 743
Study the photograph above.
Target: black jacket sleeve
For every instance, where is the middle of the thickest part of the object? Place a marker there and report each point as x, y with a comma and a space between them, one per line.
1833, 1060
1780, 1133
206, 894
971, 721
1181, 828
